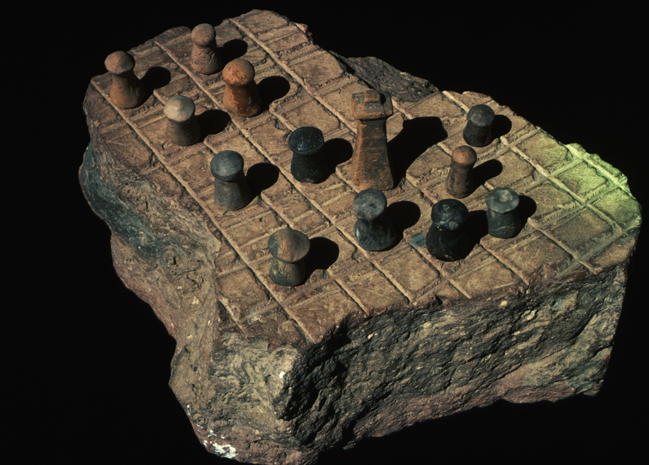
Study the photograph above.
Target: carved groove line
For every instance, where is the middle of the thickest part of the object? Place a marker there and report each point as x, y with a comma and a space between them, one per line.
291, 127
205, 208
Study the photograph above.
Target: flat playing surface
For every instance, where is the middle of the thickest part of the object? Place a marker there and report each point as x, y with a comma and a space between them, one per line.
579, 207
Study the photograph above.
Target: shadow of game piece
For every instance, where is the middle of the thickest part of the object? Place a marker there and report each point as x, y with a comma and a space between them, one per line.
272, 88
336, 152
261, 176
233, 49
155, 78
322, 254
415, 138
404, 214
212, 122
501, 126
486, 171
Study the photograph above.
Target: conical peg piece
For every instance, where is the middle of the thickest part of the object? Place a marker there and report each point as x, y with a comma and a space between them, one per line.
206, 58
182, 125
502, 214
288, 248
374, 229
241, 95
477, 131
126, 90
459, 182
231, 191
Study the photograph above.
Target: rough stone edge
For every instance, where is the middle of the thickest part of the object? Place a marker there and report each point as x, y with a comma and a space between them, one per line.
382, 76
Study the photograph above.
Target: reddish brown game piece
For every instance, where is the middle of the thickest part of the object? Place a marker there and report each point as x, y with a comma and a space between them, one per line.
206, 58
127, 90
459, 182
241, 94
370, 162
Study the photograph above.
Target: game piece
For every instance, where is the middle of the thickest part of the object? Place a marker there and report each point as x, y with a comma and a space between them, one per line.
308, 164
502, 215
459, 182
374, 229
370, 162
206, 58
182, 125
288, 248
477, 131
127, 90
241, 93
447, 239
231, 191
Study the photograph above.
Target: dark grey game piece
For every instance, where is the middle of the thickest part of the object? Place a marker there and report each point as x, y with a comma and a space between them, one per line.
231, 191
502, 215
447, 238
182, 126
477, 131
308, 163
288, 248
373, 230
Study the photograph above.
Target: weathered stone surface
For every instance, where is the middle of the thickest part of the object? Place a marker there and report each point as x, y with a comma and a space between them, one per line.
373, 341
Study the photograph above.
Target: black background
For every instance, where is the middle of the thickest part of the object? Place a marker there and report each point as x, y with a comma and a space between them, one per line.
88, 362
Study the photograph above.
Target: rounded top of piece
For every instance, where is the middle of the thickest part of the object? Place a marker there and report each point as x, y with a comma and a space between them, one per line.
464, 155
306, 140
502, 200
369, 204
179, 108
226, 165
449, 214
119, 62
203, 35
238, 72
481, 115
289, 245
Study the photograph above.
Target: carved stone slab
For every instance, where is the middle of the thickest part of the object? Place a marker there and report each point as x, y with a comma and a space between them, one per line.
373, 341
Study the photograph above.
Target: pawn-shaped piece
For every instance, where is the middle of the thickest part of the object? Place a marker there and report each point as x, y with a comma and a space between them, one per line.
182, 125
374, 229
231, 190
127, 90
241, 93
447, 238
477, 131
288, 248
502, 215
459, 182
206, 58
308, 163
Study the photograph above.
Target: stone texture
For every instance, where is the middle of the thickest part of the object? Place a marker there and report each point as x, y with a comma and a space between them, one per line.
373, 341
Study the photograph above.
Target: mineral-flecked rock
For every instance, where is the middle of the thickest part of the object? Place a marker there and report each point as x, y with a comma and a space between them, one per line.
372, 341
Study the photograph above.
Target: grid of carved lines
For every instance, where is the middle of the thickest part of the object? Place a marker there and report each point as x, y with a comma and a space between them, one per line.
247, 132
343, 225
552, 175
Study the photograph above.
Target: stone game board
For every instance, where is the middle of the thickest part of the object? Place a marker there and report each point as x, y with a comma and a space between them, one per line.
581, 222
